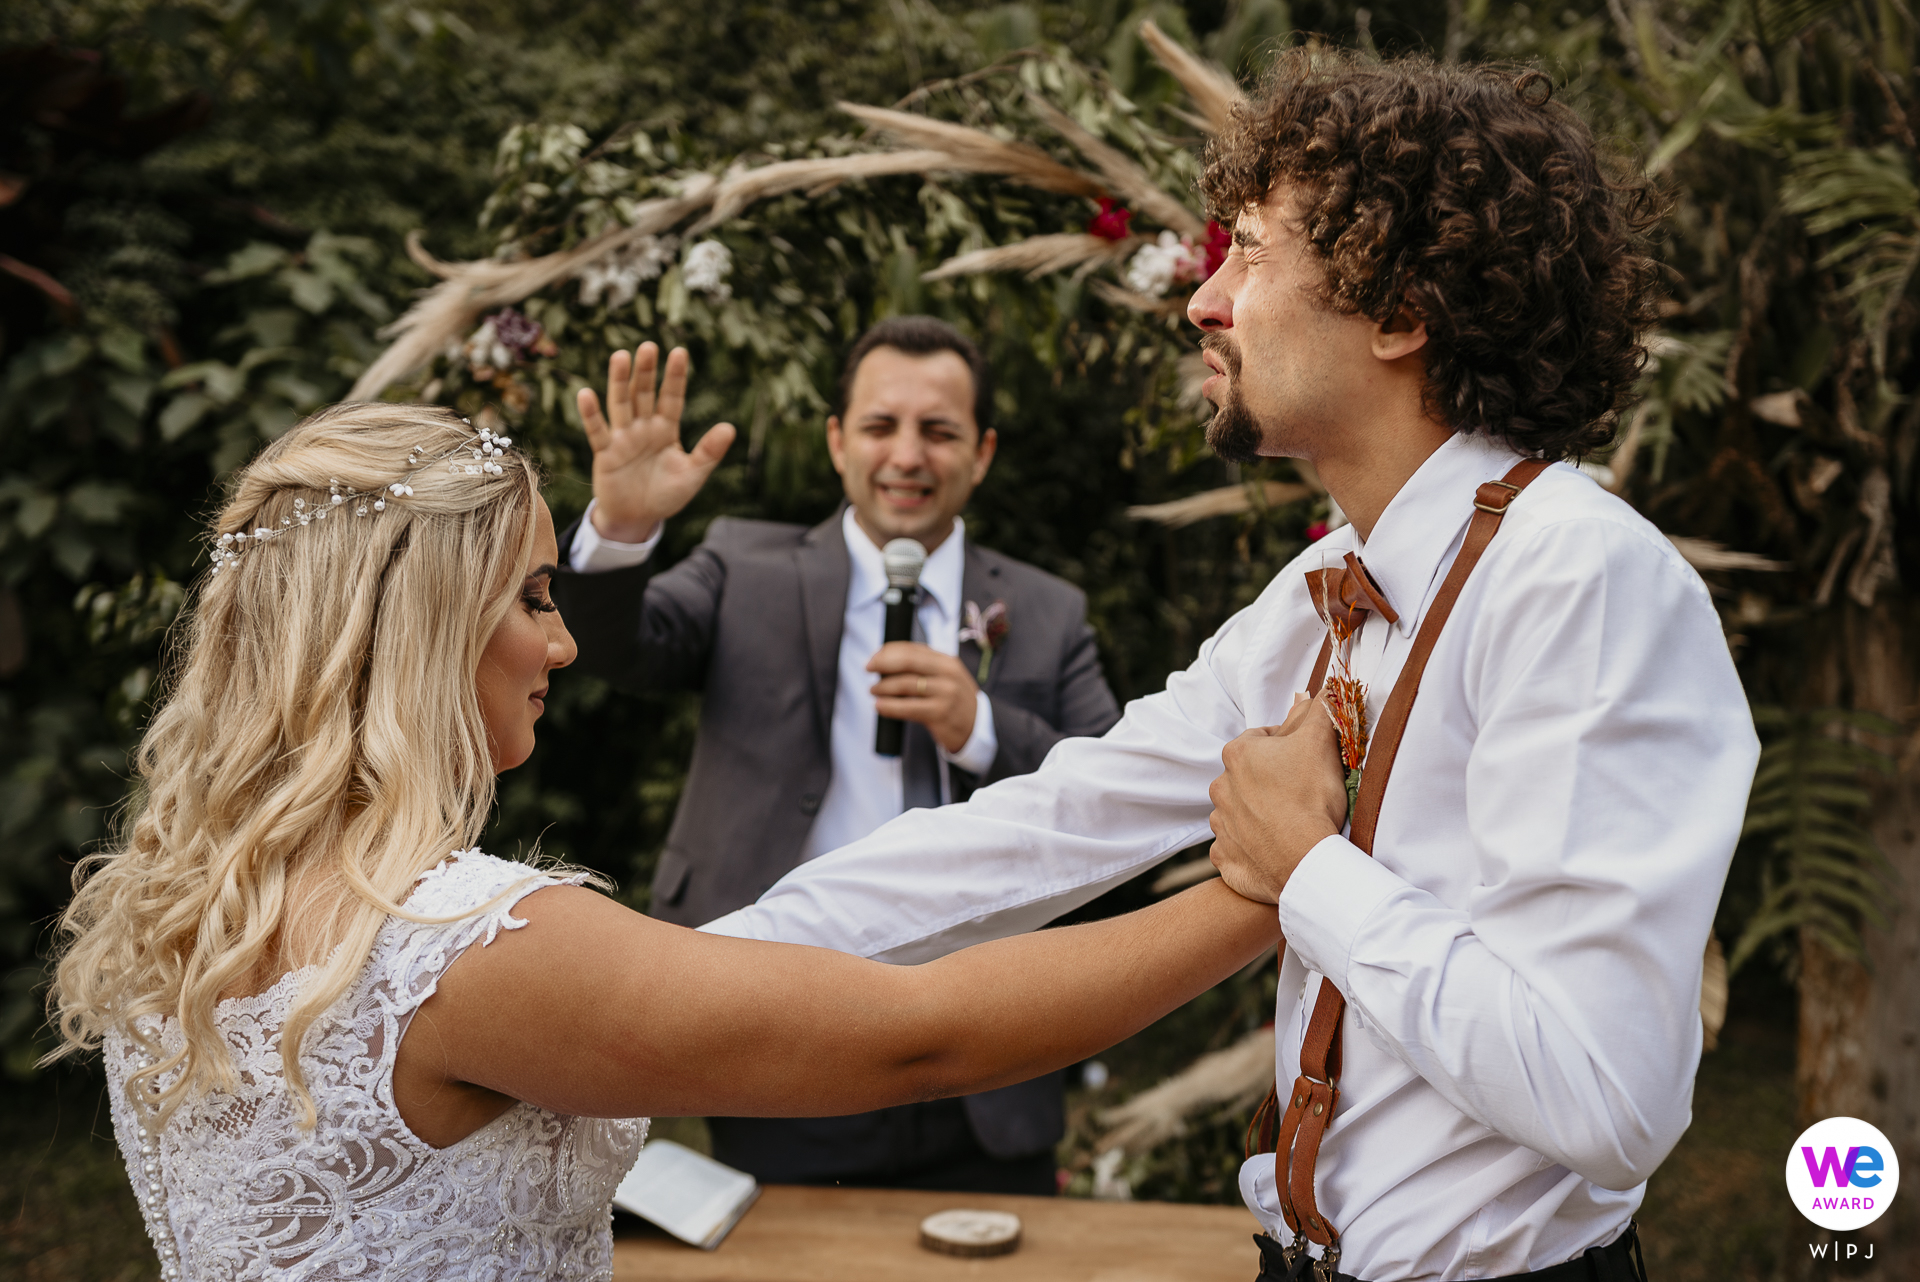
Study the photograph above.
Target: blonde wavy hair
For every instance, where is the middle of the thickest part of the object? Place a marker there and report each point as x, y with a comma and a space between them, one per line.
320, 746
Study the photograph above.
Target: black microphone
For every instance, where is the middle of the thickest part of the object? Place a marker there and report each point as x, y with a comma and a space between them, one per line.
903, 558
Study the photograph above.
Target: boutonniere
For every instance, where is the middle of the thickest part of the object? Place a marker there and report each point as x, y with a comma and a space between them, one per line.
1346, 701
987, 629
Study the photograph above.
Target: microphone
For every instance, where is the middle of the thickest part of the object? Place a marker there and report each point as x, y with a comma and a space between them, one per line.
903, 558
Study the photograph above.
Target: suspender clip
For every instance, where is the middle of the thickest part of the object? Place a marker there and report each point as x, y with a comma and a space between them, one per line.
1483, 501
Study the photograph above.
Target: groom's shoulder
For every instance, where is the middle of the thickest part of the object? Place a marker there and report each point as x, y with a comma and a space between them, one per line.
1570, 516
1565, 524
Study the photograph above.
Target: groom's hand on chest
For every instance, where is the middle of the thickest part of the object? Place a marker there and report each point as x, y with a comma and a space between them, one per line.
918, 683
1280, 795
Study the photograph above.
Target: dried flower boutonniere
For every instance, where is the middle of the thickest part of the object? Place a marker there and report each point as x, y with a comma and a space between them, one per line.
987, 629
1346, 700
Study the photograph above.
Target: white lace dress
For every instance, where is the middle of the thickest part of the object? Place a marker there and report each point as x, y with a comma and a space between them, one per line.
232, 1188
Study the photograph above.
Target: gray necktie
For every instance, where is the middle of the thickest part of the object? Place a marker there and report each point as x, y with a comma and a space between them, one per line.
920, 763
919, 768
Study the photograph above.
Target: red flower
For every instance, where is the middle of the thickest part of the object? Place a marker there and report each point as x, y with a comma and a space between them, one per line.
1219, 241
1316, 531
1111, 222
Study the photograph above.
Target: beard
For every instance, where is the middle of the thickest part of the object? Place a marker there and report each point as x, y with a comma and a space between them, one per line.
1232, 432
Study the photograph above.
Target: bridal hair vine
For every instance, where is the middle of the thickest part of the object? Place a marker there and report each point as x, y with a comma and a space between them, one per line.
478, 456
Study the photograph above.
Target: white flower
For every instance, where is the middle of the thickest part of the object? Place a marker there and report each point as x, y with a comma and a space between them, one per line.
1110, 1183
707, 267
1155, 265
483, 348
619, 275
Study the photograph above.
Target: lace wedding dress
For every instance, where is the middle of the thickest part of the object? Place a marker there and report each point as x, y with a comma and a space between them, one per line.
233, 1188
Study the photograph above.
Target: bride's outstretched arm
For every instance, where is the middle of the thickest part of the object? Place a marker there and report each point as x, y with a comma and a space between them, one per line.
593, 1009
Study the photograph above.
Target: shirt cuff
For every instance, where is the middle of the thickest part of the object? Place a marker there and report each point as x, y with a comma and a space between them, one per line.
1330, 896
978, 752
591, 554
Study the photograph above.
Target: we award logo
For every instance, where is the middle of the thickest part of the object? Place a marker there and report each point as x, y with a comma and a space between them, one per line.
1842, 1173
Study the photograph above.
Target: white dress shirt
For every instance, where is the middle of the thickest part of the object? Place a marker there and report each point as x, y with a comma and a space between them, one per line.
865, 789
1522, 954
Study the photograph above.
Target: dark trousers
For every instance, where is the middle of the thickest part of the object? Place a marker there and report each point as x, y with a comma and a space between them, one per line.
914, 1146
1618, 1261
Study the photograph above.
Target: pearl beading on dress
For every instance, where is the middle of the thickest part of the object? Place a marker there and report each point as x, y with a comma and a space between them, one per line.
464, 459
155, 1200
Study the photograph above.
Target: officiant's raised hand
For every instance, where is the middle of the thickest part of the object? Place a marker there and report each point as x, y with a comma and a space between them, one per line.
641, 475
1281, 794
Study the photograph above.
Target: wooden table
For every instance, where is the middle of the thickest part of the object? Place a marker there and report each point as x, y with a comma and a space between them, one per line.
795, 1234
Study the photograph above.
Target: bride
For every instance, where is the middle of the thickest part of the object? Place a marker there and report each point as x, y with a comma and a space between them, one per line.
343, 1042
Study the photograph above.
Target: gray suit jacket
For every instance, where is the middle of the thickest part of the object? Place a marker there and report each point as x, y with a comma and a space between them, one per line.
752, 617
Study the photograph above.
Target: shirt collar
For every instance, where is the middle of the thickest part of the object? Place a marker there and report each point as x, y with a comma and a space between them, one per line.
940, 577
1424, 519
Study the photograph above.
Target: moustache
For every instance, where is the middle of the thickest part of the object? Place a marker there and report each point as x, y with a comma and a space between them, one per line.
1218, 342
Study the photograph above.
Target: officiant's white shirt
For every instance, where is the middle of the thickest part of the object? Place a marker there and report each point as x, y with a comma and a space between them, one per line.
1521, 957
864, 789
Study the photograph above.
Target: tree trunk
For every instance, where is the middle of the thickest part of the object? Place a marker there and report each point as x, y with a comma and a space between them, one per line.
1831, 1074
1859, 1044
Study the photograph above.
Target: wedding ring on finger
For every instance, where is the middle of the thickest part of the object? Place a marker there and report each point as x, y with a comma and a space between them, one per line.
922, 689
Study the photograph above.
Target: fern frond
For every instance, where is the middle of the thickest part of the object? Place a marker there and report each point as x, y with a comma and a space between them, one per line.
1822, 873
1841, 187
1781, 20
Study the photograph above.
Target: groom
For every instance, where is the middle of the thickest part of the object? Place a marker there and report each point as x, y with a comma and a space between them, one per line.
1434, 291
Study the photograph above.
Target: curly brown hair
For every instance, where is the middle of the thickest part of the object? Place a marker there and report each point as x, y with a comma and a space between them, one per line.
1467, 194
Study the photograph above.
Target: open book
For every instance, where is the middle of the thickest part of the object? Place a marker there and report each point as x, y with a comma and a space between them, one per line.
691, 1196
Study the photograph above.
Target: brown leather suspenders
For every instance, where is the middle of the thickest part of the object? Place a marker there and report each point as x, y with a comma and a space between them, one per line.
1294, 1137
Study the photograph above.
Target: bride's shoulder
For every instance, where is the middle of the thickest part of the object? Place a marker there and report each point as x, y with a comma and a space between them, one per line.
466, 898
481, 890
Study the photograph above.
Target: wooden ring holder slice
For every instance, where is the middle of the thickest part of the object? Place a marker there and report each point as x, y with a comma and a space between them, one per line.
971, 1233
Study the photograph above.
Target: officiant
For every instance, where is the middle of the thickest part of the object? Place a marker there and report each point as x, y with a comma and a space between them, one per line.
781, 627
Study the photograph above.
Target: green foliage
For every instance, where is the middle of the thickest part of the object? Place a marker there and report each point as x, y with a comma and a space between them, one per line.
1087, 401
224, 280
811, 272
1779, 414
120, 452
1821, 872
226, 277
